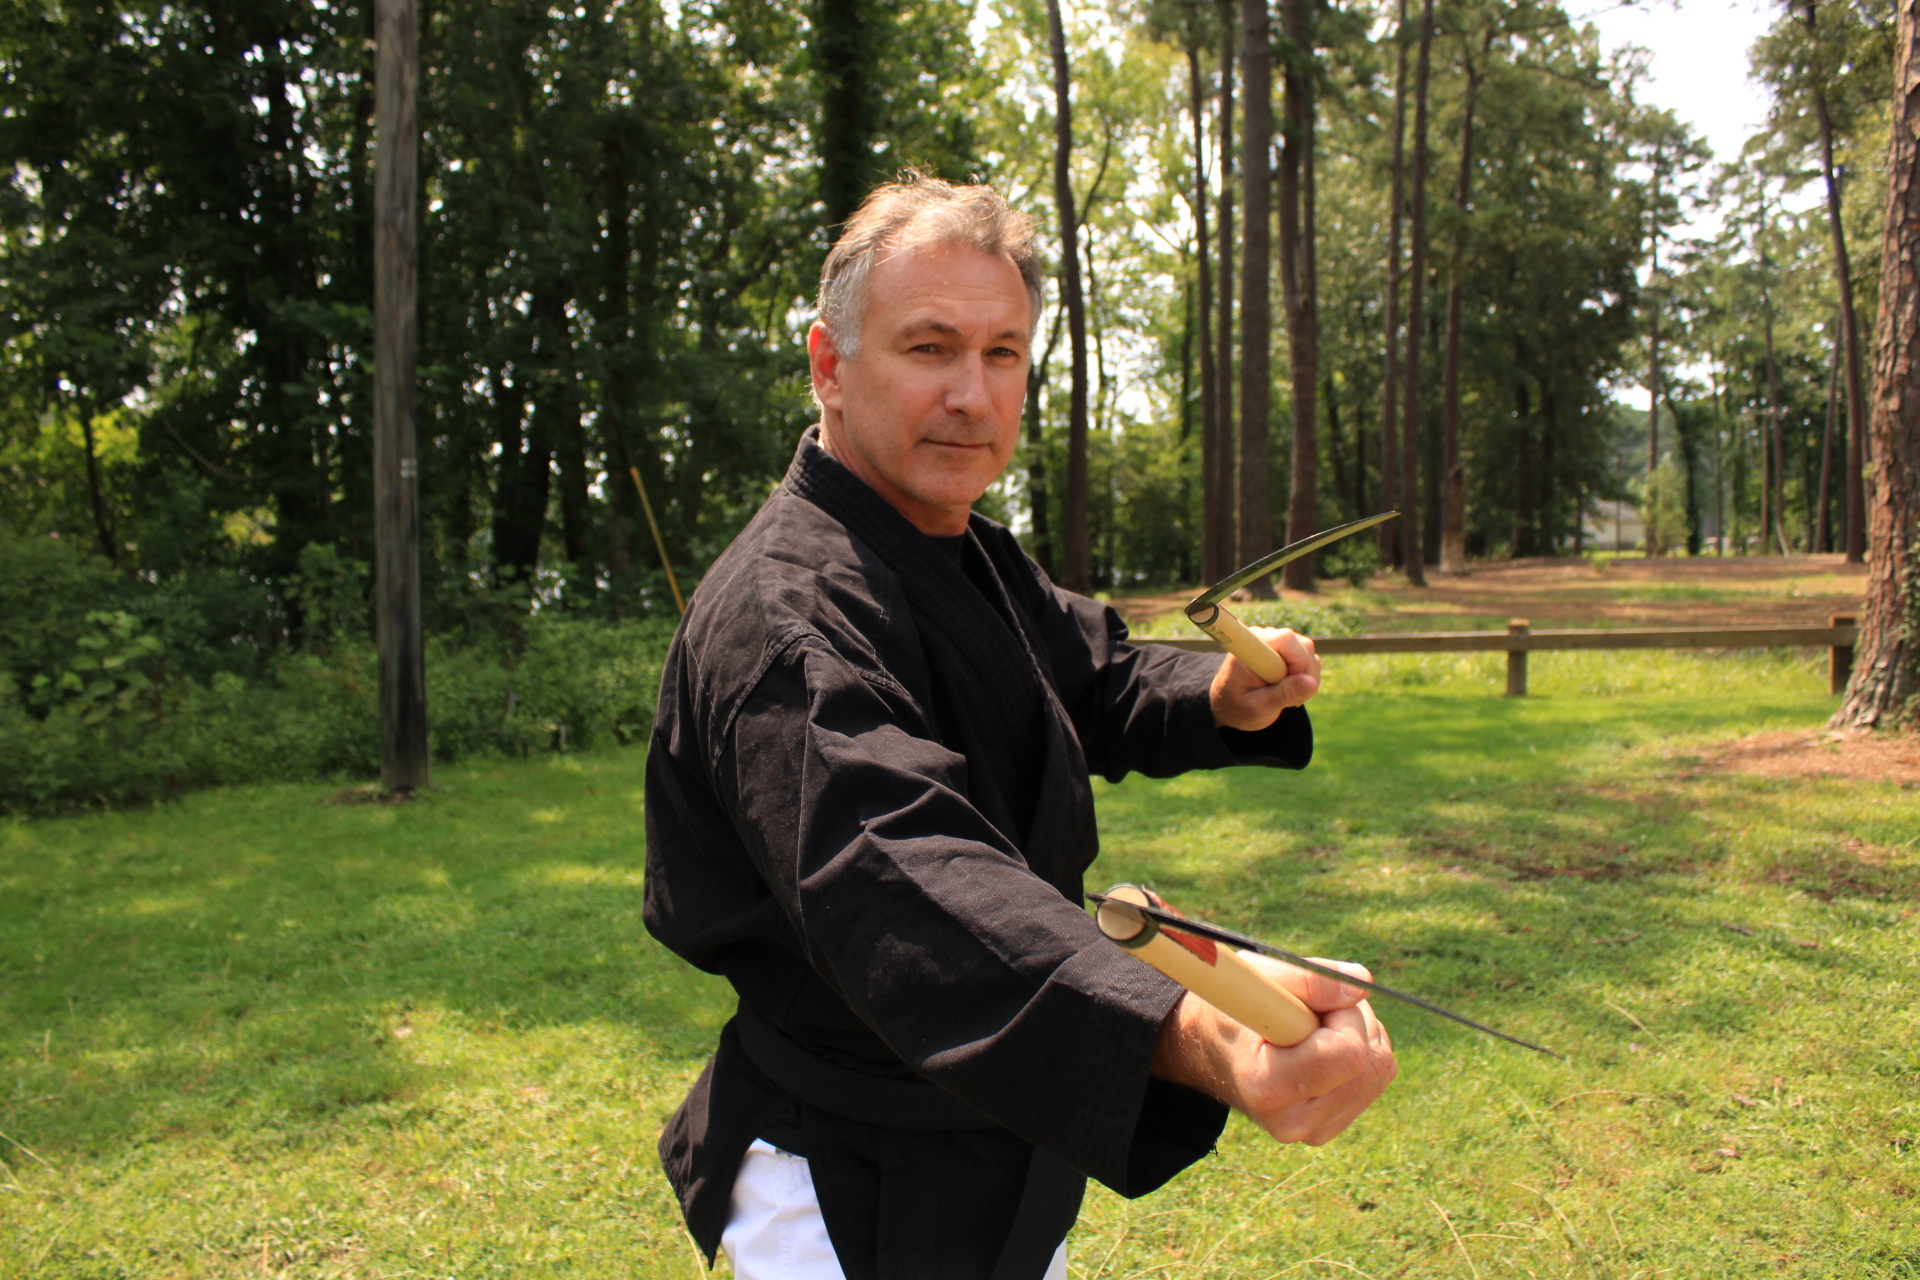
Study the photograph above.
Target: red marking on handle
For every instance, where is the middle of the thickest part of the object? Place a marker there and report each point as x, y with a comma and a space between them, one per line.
1206, 948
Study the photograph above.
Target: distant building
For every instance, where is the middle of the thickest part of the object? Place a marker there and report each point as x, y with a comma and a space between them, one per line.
1614, 526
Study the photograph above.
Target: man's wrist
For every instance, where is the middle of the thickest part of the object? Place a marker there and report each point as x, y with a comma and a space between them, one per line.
1194, 1049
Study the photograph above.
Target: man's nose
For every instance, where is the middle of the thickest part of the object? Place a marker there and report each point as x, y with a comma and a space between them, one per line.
968, 395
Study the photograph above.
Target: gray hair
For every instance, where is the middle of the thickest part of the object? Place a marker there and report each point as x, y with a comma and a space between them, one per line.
914, 212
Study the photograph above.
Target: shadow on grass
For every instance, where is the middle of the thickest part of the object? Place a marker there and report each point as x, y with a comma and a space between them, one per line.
259, 953
260, 957
1514, 860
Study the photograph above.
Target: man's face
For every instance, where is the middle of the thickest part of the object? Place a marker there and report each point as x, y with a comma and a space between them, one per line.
929, 412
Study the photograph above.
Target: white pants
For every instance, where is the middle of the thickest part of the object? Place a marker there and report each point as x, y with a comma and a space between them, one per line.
776, 1231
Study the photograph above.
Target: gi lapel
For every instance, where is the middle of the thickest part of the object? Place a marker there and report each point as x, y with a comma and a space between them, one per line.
936, 587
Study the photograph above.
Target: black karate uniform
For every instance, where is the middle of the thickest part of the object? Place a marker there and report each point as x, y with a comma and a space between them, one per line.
868, 807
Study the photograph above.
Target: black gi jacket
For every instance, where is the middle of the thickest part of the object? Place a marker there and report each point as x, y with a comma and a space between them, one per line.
867, 806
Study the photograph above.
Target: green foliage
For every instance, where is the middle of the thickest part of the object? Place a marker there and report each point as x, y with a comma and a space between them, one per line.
48, 587
118, 662
435, 1037
1308, 617
119, 727
1354, 558
1663, 505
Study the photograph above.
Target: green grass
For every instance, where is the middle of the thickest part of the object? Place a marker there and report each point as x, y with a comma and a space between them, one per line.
254, 1033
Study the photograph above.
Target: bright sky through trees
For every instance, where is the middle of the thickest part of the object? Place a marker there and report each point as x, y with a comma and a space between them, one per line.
1696, 62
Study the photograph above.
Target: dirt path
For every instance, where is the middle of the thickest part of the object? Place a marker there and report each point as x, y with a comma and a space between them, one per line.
1699, 591
1868, 758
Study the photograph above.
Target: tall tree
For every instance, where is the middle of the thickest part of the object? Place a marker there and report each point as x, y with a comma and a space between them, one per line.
1822, 539
1411, 552
1215, 552
1849, 317
1654, 232
1453, 475
1299, 279
1224, 506
1256, 304
1392, 536
1076, 570
1886, 670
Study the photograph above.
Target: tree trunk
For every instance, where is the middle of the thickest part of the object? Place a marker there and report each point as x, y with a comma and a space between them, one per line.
1215, 556
1822, 524
96, 497
1770, 458
1524, 542
556, 397
1039, 496
615, 334
1653, 373
843, 59
1225, 499
1299, 274
1886, 658
1412, 554
1391, 535
1849, 325
1453, 487
1077, 570
1256, 306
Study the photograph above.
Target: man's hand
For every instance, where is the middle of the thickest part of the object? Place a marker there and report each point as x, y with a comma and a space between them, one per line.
1242, 700
1308, 1093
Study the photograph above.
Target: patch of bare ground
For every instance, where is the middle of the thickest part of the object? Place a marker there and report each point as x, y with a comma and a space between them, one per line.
1728, 591
1590, 860
1731, 591
1818, 754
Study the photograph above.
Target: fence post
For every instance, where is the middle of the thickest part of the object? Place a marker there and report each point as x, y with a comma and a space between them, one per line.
1517, 660
1839, 657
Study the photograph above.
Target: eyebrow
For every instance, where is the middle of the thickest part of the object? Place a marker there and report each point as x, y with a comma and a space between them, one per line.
948, 330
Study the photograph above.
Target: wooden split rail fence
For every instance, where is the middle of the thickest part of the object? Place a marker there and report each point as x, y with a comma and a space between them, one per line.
1519, 639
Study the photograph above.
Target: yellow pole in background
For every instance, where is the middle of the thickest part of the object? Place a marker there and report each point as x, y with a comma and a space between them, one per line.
658, 542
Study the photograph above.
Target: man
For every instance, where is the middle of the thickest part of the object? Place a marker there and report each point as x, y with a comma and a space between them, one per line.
868, 808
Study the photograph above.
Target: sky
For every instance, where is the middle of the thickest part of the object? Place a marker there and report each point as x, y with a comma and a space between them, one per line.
1697, 67
1697, 61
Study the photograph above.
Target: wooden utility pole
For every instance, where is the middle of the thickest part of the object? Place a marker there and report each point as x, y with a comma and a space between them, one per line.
404, 763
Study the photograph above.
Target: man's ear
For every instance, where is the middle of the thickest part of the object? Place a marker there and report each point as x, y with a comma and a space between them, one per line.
824, 359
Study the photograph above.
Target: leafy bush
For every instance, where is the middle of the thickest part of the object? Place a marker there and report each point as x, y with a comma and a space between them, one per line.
48, 586
1310, 618
572, 683
1354, 558
1663, 504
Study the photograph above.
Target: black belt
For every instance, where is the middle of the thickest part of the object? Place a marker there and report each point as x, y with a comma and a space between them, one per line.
1051, 1199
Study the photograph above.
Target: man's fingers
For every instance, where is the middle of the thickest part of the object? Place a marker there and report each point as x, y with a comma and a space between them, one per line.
1314, 1090
1317, 991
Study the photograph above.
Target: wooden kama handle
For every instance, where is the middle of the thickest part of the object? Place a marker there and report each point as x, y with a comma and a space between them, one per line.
1244, 645
1217, 974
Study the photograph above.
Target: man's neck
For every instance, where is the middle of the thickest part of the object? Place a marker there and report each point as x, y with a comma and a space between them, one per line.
935, 522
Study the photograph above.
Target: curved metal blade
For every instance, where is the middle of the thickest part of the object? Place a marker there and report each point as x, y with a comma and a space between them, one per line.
1293, 551
1174, 920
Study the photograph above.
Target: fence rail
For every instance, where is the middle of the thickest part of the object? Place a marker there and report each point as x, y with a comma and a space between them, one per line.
1519, 639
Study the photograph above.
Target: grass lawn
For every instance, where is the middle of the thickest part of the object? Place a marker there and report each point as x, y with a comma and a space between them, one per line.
254, 1033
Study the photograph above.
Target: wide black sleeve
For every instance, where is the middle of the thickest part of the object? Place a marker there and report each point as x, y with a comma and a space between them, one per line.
1145, 708
930, 926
